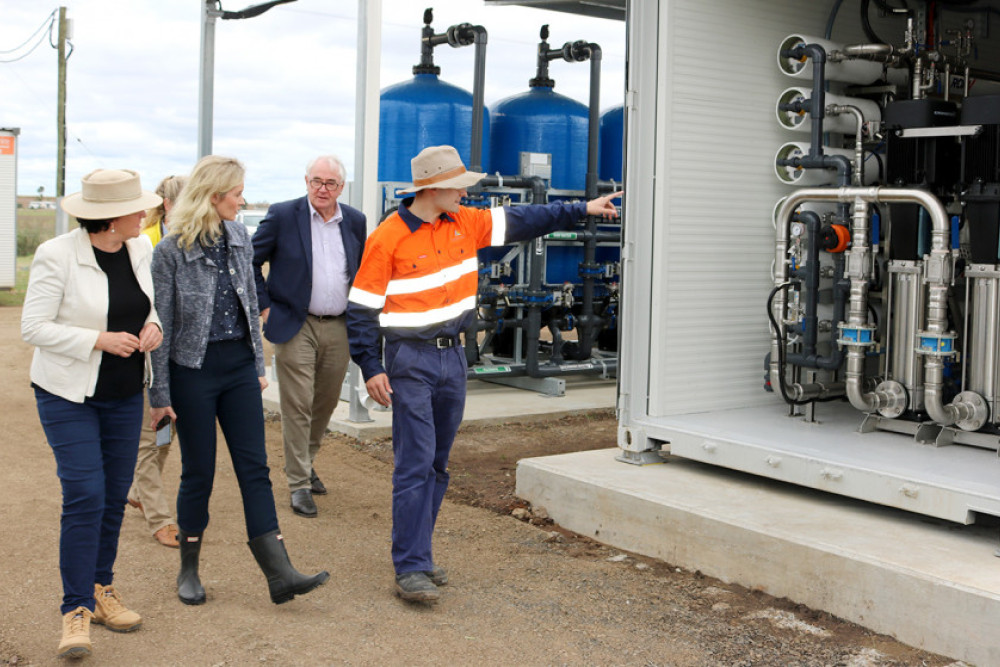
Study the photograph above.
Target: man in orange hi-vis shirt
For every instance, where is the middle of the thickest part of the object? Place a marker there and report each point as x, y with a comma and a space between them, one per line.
417, 286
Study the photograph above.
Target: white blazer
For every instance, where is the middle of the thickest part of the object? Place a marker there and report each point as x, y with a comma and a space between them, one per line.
66, 307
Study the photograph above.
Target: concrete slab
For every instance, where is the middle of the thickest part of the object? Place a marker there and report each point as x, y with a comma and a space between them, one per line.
485, 403
929, 583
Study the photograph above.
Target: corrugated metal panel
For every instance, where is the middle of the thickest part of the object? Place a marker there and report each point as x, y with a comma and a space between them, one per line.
713, 249
8, 209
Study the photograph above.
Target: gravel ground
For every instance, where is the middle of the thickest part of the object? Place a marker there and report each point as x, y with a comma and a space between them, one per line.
523, 591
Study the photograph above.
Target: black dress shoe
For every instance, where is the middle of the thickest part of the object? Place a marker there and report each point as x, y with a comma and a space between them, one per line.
317, 487
302, 503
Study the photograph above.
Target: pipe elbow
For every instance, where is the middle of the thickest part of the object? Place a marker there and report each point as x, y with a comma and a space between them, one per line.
945, 415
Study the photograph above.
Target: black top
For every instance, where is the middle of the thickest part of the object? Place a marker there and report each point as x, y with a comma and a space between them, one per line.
228, 320
128, 308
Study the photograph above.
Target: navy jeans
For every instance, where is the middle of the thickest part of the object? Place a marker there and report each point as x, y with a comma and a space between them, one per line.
95, 444
428, 402
225, 387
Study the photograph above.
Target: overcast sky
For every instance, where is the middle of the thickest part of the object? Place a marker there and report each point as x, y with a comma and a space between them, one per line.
284, 81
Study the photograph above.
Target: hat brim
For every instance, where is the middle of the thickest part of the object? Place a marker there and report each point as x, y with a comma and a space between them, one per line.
464, 180
78, 207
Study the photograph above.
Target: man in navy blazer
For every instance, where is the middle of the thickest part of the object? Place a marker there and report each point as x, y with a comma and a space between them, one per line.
313, 246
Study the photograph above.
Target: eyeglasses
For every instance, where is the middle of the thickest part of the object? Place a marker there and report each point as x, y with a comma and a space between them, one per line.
317, 184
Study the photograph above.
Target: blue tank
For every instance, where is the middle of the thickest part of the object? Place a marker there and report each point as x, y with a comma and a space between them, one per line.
422, 112
541, 121
612, 142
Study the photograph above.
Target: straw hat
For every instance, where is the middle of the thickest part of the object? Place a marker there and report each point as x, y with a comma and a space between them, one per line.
109, 193
440, 167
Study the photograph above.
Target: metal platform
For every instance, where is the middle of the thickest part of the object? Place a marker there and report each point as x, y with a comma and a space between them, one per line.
950, 482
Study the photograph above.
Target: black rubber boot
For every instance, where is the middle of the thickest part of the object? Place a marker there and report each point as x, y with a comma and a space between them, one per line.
189, 588
283, 580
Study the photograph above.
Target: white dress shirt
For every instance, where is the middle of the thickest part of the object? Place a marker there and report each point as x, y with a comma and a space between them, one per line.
329, 264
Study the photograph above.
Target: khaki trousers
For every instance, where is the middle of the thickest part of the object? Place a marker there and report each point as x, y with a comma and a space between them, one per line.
147, 485
311, 368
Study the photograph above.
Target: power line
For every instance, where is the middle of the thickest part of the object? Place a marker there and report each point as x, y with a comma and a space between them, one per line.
32, 49
48, 20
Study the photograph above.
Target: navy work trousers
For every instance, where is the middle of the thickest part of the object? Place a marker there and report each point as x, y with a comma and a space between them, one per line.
95, 445
225, 387
428, 401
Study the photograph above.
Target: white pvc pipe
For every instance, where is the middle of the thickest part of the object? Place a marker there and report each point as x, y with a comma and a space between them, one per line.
842, 123
812, 177
849, 71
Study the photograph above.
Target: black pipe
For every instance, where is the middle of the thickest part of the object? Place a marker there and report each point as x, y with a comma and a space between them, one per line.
536, 183
535, 296
457, 36
579, 235
809, 357
811, 325
589, 321
838, 162
595, 119
478, 96
538, 196
427, 44
818, 99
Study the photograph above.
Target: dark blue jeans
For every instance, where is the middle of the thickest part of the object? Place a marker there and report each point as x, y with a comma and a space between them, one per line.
225, 387
95, 444
428, 402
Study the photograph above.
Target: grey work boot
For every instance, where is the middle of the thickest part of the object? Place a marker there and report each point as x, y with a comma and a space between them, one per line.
283, 581
189, 588
438, 576
416, 587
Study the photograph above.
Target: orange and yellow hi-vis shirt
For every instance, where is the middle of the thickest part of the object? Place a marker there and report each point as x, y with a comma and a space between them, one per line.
418, 280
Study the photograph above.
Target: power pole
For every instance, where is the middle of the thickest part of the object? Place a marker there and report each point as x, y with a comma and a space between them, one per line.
61, 111
206, 84
62, 219
210, 11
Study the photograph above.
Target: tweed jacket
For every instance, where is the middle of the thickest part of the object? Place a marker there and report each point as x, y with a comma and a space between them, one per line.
66, 307
184, 281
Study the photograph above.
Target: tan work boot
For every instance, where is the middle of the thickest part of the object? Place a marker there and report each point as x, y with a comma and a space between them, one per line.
76, 634
111, 613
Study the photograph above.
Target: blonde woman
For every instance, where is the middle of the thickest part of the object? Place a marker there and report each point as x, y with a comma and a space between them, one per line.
147, 493
211, 366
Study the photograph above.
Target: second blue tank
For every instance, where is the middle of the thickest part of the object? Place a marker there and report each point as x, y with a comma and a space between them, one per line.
541, 121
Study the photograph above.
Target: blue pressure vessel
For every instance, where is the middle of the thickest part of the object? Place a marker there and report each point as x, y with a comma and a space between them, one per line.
541, 121
422, 112
612, 142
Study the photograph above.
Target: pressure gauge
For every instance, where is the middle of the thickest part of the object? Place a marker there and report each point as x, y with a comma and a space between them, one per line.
797, 229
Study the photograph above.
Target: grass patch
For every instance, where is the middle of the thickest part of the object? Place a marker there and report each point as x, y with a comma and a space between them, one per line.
15, 296
34, 227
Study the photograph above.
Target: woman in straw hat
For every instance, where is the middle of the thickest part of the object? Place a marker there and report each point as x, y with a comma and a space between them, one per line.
211, 367
147, 493
89, 313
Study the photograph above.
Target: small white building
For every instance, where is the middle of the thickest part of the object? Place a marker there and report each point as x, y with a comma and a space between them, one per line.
8, 206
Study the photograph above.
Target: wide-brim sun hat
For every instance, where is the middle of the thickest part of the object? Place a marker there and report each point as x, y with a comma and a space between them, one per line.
440, 167
109, 193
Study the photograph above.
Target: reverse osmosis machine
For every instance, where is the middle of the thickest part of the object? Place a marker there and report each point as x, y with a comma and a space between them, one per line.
887, 254
546, 308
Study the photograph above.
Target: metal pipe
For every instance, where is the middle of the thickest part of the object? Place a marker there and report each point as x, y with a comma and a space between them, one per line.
858, 271
859, 151
877, 52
